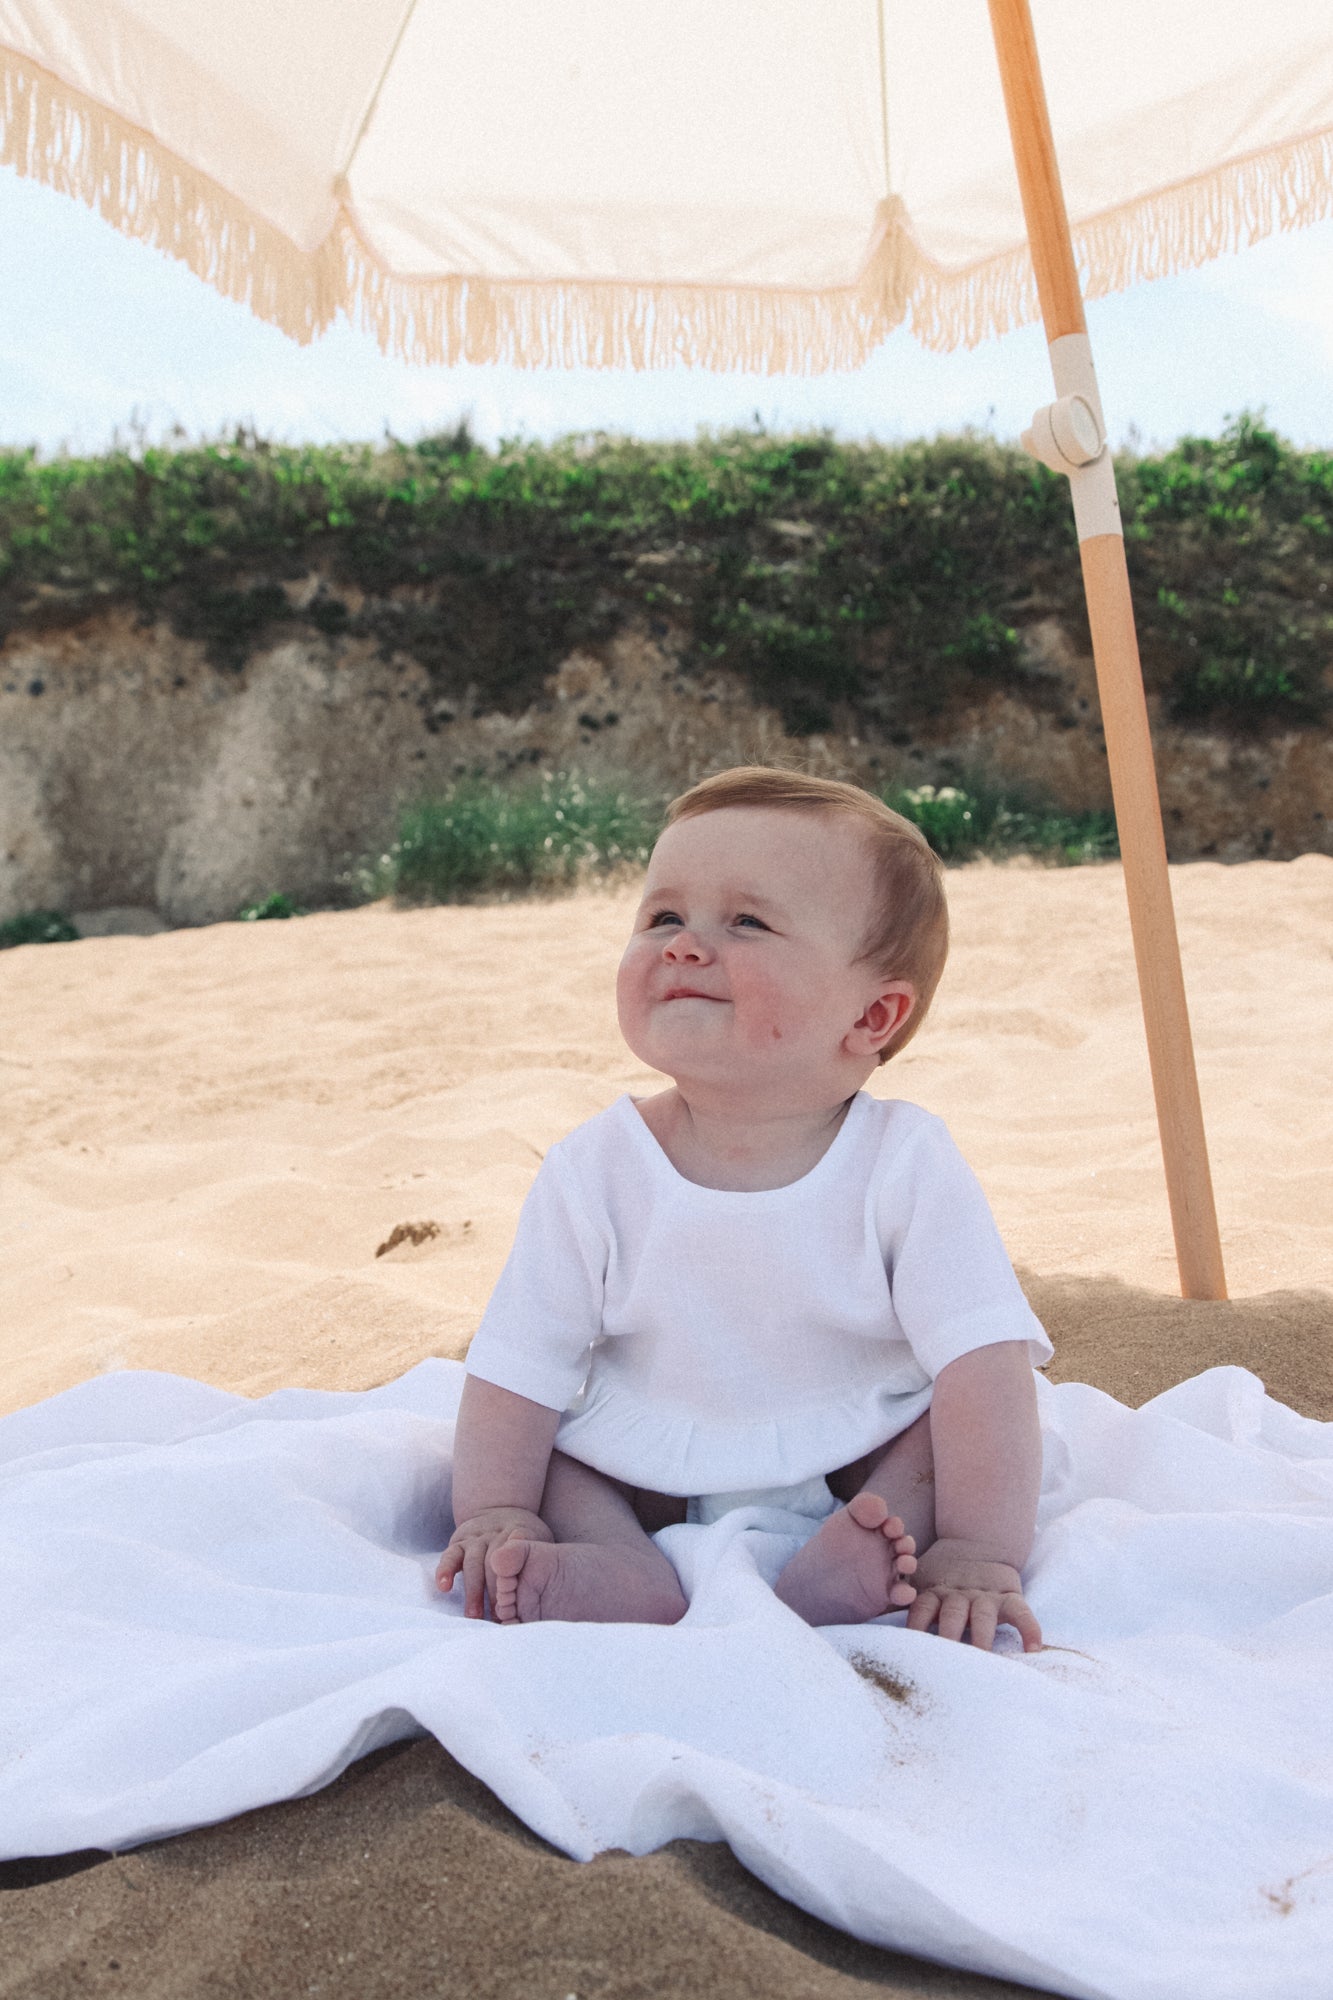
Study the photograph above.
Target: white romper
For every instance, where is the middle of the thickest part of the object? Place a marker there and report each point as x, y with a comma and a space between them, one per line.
707, 1342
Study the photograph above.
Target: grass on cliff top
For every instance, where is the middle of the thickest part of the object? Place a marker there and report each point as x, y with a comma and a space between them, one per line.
829, 575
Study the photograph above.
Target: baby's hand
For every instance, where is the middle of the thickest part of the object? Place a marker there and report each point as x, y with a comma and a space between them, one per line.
470, 1551
959, 1587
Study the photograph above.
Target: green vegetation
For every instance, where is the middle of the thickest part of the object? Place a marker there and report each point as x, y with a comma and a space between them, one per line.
485, 837
856, 585
960, 824
266, 908
1230, 548
37, 927
538, 833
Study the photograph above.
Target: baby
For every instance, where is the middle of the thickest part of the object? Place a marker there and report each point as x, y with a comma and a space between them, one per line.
761, 1286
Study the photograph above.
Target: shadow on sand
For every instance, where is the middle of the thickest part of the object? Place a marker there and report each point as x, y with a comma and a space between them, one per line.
1135, 1344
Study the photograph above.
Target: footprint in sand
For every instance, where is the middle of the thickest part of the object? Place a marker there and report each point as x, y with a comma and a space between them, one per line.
407, 1240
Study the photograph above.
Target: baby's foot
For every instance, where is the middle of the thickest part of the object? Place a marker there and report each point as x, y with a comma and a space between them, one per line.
855, 1568
582, 1581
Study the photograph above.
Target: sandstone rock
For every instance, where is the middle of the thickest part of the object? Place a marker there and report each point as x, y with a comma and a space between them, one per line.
135, 773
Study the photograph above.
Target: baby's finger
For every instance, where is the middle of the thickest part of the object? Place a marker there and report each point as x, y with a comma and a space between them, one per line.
954, 1614
924, 1612
1016, 1611
491, 1547
474, 1581
447, 1568
985, 1617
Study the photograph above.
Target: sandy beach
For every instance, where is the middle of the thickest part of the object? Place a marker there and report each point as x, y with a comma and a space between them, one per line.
293, 1153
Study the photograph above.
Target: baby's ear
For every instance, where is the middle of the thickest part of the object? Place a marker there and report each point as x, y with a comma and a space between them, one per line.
883, 1017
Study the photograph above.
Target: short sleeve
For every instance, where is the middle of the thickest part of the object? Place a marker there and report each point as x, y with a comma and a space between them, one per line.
950, 1278
546, 1309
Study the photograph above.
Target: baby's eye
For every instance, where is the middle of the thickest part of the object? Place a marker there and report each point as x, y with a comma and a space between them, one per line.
662, 917
745, 918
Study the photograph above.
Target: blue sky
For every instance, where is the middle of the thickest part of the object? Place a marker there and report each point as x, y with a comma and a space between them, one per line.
100, 335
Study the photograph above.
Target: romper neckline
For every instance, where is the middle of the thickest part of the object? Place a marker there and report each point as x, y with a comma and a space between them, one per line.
668, 1169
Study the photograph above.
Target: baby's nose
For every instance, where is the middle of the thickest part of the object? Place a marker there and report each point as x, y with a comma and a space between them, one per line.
683, 944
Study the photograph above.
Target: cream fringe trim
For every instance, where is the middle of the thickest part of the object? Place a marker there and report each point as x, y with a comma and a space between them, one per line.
52, 133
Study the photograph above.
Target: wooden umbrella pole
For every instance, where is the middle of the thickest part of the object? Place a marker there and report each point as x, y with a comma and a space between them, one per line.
1073, 435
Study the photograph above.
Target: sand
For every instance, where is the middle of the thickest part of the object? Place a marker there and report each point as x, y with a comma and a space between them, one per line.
207, 1136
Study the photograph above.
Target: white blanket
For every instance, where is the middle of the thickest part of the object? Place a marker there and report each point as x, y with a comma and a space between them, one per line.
211, 1603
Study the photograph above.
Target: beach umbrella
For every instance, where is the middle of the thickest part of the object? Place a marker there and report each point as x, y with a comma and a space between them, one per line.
770, 184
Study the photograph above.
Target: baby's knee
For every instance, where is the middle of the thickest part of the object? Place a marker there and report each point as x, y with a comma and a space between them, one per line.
669, 1602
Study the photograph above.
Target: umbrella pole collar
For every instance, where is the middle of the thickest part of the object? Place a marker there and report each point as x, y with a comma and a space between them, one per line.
1069, 435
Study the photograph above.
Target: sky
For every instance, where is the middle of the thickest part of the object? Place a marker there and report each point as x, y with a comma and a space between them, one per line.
102, 337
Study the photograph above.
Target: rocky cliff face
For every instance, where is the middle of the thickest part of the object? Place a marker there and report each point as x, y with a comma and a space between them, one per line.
133, 770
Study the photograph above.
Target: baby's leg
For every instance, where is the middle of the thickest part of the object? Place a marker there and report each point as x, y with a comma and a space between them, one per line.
903, 1475
858, 1564
601, 1566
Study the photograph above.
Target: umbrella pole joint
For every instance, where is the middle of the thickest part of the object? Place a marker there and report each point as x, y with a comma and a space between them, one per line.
1069, 436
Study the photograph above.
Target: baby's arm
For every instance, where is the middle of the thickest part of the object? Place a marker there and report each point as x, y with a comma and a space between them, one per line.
502, 1448
986, 1442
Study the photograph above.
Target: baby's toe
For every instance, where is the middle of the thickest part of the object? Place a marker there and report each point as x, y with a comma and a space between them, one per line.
869, 1511
901, 1594
507, 1563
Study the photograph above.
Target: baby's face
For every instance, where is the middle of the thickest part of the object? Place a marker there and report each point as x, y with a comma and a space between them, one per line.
739, 973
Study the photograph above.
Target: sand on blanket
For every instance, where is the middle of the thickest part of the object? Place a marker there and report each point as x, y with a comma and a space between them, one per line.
294, 1152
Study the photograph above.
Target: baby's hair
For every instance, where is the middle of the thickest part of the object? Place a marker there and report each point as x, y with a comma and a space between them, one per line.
908, 933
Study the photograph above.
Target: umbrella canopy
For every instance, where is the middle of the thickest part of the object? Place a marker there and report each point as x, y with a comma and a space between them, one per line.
772, 184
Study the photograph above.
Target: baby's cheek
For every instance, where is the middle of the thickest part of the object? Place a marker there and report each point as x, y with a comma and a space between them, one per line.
779, 1018
630, 1002
767, 1021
